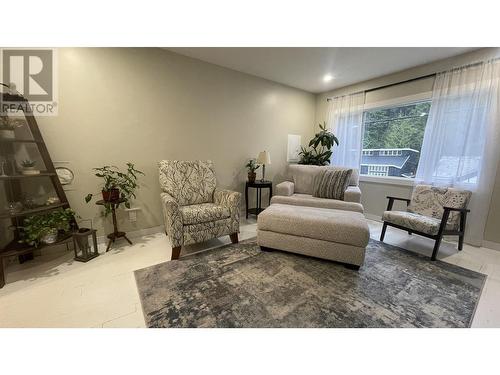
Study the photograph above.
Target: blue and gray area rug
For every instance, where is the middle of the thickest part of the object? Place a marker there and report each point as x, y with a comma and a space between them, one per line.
240, 286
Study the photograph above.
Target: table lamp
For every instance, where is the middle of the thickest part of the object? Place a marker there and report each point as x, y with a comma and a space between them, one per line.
264, 158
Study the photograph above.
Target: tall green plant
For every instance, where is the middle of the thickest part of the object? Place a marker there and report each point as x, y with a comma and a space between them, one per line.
319, 150
113, 178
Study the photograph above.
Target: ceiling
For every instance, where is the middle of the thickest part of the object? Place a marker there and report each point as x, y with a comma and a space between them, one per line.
305, 68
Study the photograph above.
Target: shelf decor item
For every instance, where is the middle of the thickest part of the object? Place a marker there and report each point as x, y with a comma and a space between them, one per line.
117, 185
252, 166
2, 168
85, 244
14, 208
29, 167
66, 175
264, 159
47, 228
8, 126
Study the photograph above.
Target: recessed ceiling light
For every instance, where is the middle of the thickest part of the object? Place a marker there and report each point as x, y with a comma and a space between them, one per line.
327, 78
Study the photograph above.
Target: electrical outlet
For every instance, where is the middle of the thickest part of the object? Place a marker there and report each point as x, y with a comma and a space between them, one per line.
132, 213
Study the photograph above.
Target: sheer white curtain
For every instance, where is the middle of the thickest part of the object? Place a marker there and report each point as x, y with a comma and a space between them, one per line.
462, 137
345, 120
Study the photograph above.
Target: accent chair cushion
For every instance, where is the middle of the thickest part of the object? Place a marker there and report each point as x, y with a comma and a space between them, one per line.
416, 222
203, 213
188, 182
429, 201
331, 183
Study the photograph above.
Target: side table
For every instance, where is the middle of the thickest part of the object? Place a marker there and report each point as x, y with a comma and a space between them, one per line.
116, 234
259, 185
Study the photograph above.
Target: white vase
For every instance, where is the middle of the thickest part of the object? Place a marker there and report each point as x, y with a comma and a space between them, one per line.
30, 171
7, 134
50, 237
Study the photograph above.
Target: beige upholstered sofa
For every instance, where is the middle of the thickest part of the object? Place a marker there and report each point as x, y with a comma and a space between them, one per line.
298, 188
193, 209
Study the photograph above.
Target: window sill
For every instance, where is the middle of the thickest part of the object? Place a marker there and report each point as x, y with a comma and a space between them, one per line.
401, 181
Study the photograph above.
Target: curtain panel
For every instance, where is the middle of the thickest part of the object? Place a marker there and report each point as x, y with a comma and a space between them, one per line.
345, 120
460, 146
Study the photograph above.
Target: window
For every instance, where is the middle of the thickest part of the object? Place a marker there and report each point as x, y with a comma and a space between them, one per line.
392, 139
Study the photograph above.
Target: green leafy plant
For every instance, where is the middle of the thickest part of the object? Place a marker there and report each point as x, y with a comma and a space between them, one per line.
28, 163
35, 227
319, 150
113, 178
6, 123
252, 166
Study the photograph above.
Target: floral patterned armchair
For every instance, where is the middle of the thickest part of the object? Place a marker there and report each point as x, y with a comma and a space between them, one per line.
431, 212
193, 209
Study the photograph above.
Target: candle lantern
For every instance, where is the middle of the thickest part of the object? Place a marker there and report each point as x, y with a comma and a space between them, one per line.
85, 244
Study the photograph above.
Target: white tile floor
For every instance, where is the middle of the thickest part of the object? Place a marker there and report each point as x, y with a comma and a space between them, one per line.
54, 291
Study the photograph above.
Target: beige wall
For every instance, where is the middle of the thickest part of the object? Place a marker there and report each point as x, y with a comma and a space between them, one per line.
374, 193
144, 105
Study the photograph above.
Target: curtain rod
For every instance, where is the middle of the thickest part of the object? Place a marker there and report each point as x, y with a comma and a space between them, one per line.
411, 79
385, 86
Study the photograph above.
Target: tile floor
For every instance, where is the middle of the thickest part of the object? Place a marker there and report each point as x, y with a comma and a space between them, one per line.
54, 291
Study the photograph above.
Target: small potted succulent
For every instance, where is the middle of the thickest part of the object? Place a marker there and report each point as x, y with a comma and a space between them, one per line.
29, 167
252, 166
7, 127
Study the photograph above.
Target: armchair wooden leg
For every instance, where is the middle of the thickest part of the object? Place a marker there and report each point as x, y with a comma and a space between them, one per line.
436, 248
234, 237
176, 252
382, 235
463, 217
2, 273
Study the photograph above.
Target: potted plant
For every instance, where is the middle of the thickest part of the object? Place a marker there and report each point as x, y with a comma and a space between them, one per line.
47, 228
252, 166
7, 127
117, 184
319, 152
29, 167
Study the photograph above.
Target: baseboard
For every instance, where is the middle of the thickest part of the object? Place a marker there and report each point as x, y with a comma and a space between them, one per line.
373, 217
491, 245
136, 233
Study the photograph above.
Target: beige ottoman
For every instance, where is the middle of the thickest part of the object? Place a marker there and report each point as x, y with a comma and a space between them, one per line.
325, 233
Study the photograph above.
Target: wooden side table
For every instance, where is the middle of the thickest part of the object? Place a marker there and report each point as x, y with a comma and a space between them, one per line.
259, 185
116, 234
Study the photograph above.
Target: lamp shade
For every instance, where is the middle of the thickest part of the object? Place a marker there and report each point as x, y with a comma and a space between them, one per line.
264, 158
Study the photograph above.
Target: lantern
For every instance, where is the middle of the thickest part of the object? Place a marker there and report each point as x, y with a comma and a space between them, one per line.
85, 248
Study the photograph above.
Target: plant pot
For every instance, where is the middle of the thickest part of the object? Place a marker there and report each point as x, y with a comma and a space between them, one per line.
7, 134
111, 195
251, 177
50, 237
30, 171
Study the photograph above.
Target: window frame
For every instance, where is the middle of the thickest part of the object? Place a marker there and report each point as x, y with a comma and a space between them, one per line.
400, 102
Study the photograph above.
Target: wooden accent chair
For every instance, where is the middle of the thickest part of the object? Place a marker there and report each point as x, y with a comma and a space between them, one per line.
193, 209
431, 212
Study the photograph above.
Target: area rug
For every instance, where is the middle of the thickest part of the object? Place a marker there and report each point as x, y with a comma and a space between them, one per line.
241, 286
